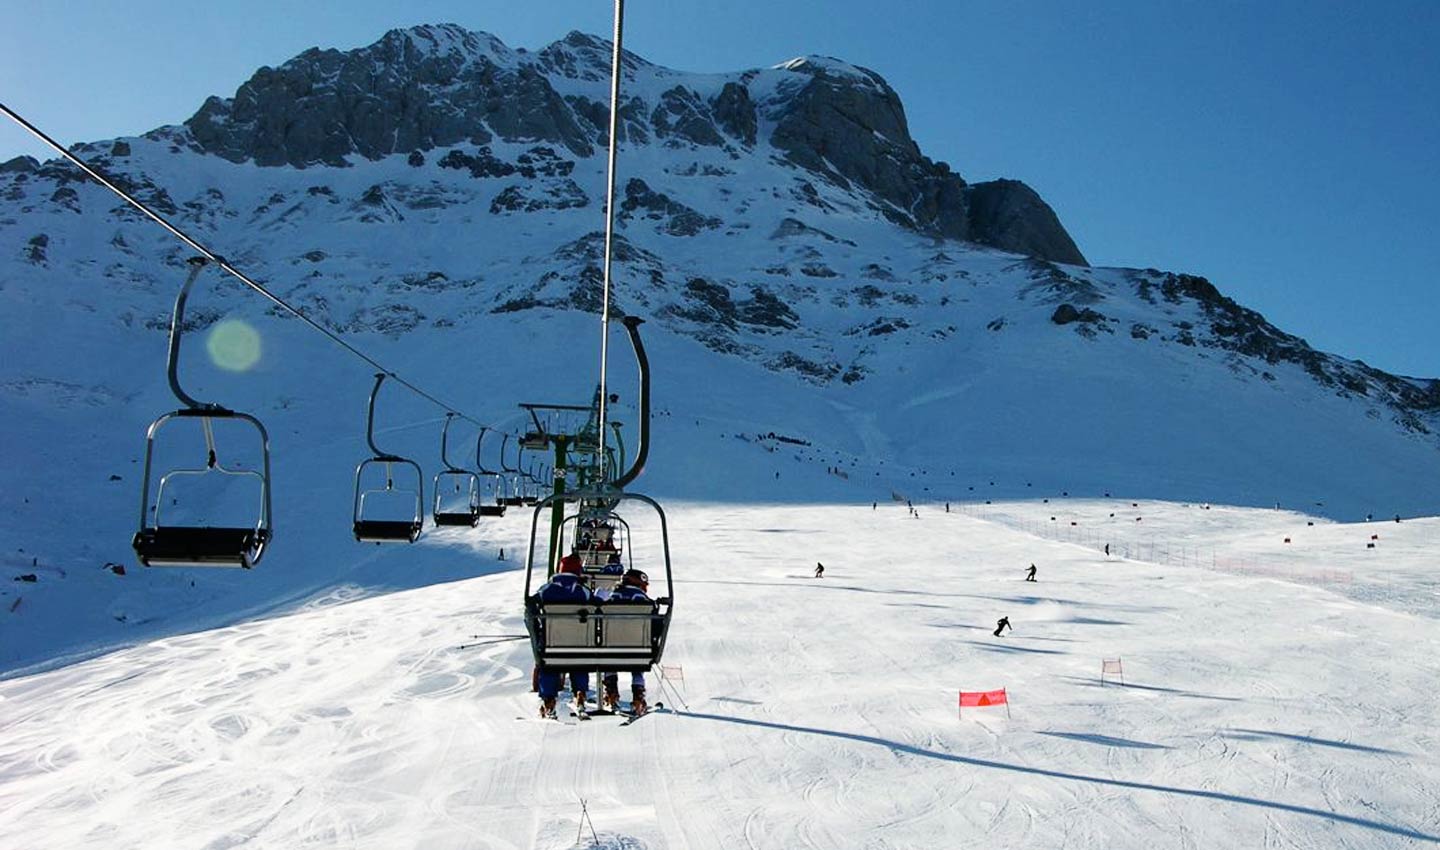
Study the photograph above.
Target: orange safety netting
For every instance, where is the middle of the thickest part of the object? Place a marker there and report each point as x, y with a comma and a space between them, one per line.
969, 699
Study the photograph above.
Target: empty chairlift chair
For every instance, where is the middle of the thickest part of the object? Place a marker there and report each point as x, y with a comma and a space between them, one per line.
164, 541
386, 524
457, 491
515, 497
493, 488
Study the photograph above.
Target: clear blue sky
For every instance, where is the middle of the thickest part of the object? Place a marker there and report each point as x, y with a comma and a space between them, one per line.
1289, 151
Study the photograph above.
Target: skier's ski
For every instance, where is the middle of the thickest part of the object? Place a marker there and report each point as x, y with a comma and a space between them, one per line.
631, 717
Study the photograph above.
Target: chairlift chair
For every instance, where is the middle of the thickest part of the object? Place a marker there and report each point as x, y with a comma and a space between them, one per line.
492, 483
388, 530
492, 494
621, 636
465, 483
157, 544
515, 498
595, 536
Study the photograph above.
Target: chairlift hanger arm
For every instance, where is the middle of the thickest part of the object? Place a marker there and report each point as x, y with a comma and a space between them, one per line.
177, 330
445, 444
642, 451
479, 442
370, 424
504, 467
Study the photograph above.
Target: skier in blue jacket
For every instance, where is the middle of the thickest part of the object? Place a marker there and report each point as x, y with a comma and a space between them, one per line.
567, 587
633, 587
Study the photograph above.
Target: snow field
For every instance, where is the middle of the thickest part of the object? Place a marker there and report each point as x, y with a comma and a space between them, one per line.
821, 712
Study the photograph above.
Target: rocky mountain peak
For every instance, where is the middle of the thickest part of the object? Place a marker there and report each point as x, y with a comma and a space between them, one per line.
442, 86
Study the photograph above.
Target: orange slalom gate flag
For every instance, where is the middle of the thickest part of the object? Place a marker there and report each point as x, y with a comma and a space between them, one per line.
971, 699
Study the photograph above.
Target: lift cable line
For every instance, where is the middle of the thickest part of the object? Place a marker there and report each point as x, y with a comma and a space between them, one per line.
609, 222
227, 267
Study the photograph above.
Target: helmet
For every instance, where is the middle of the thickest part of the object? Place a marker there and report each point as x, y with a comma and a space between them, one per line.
636, 577
571, 564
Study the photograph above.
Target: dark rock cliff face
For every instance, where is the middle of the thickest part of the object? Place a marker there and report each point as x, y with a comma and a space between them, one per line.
853, 130
441, 86
417, 89
1010, 216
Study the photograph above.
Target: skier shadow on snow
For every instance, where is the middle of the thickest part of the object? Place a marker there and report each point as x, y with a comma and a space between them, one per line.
1105, 740
1091, 683
1096, 621
989, 629
1261, 734
1005, 647
817, 585
907, 749
1036, 600
737, 700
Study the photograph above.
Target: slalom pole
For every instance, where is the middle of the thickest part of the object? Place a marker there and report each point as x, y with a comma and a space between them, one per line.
664, 683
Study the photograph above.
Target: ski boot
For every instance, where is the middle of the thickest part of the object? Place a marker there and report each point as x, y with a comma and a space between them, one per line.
611, 696
547, 707
580, 703
637, 700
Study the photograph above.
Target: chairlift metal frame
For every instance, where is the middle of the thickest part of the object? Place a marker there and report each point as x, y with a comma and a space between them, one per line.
497, 508
386, 531
451, 472
159, 545
618, 636
514, 499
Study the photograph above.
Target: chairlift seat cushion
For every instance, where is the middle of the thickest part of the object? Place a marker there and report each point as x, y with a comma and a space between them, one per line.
492, 510
200, 546
468, 518
386, 531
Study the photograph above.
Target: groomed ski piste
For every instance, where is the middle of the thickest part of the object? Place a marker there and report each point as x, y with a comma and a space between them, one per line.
1274, 695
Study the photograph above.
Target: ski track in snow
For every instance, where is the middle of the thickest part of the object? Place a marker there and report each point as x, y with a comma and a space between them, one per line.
1255, 712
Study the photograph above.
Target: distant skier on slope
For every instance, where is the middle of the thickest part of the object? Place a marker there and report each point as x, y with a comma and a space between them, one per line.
1030, 573
819, 570
1001, 625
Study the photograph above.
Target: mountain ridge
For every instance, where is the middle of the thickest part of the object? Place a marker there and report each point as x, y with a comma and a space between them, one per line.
796, 297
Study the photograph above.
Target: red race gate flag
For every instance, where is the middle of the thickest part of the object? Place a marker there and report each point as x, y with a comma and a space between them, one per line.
977, 699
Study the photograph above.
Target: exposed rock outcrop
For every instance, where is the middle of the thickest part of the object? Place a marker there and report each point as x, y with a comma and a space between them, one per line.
849, 125
415, 89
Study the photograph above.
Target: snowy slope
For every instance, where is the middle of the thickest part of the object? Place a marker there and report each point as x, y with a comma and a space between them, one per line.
815, 712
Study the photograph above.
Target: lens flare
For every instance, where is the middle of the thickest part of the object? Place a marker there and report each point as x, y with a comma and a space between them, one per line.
233, 345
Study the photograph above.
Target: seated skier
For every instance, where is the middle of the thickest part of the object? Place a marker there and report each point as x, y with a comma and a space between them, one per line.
567, 587
633, 588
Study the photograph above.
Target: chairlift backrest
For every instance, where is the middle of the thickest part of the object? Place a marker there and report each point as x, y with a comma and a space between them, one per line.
627, 625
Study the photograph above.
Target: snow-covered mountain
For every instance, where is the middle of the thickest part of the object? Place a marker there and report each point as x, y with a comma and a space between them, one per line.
804, 269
